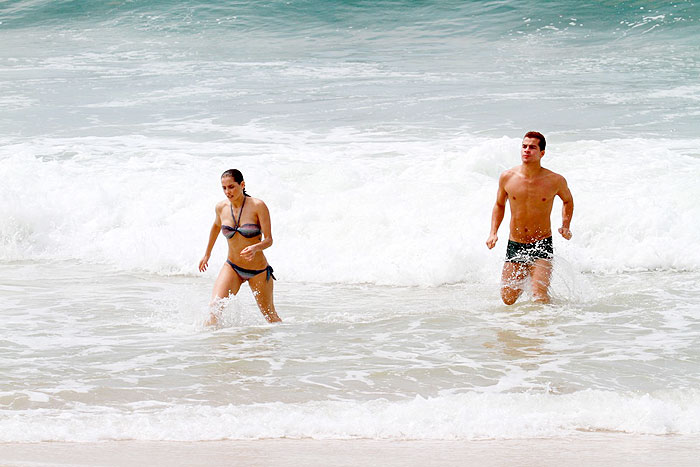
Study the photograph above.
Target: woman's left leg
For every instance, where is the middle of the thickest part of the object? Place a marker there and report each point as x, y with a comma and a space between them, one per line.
262, 288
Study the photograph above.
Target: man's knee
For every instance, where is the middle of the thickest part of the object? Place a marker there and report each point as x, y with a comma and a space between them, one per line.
509, 300
509, 296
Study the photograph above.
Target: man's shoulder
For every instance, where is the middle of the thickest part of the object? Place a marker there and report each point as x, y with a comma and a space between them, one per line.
555, 180
554, 176
509, 173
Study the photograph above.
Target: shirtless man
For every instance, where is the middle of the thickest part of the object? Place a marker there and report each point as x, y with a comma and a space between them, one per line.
530, 189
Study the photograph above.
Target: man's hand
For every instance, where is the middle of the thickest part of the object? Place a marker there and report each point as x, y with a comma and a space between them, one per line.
491, 242
566, 233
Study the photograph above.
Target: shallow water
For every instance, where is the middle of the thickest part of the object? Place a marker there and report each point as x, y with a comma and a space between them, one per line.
119, 350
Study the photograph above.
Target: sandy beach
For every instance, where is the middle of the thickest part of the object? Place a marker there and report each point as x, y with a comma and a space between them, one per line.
585, 450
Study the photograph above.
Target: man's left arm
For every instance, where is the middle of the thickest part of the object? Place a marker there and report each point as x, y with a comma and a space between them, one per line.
567, 210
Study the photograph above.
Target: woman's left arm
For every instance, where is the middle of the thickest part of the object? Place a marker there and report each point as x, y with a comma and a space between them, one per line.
266, 228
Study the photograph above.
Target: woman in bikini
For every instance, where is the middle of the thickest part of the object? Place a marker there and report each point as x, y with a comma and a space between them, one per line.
245, 222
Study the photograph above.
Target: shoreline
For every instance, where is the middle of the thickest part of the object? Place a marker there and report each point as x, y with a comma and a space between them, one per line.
585, 449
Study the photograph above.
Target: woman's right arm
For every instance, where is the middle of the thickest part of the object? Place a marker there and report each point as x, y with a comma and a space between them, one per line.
213, 235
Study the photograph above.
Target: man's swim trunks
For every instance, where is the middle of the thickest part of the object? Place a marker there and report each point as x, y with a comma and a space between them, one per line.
527, 253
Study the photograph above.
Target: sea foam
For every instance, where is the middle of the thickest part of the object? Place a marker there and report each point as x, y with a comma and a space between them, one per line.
461, 416
386, 211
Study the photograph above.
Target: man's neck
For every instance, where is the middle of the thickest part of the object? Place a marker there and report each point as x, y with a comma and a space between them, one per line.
531, 170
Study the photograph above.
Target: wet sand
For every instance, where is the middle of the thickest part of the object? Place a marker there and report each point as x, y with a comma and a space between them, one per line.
584, 450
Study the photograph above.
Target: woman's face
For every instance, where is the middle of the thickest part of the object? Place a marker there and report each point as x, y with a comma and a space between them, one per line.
232, 189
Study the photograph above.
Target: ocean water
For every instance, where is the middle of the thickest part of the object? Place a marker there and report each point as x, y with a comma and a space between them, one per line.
375, 132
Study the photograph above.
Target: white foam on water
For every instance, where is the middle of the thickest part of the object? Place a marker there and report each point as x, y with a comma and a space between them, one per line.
459, 416
346, 207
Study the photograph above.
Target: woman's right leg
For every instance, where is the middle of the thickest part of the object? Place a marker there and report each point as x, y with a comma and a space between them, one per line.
228, 282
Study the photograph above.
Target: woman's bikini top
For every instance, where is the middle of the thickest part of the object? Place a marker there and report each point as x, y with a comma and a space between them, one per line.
247, 230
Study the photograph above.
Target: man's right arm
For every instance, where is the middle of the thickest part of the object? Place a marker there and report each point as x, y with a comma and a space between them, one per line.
499, 210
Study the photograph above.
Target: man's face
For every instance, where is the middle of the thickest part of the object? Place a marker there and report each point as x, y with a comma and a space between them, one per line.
530, 150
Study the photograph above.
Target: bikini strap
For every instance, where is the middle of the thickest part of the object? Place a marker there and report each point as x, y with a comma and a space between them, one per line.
237, 223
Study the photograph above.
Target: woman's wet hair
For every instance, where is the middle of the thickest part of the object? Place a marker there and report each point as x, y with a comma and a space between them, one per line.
236, 175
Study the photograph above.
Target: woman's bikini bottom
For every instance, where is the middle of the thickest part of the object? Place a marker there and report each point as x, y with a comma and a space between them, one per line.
246, 274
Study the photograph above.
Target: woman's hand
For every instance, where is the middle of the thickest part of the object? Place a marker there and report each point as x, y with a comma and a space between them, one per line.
203, 263
248, 253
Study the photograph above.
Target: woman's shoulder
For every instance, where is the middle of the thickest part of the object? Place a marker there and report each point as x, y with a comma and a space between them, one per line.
221, 205
258, 205
257, 202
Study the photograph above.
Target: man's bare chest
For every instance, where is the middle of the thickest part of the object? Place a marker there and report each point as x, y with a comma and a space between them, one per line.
528, 191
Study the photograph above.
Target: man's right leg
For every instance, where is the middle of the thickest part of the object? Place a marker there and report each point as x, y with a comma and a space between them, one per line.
512, 280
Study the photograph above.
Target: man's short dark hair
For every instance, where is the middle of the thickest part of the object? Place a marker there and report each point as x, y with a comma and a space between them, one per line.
538, 135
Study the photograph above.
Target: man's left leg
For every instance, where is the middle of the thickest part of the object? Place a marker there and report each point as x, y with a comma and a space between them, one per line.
540, 276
